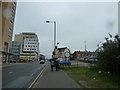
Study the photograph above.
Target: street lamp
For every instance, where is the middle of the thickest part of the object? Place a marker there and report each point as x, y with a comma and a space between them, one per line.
51, 44
54, 32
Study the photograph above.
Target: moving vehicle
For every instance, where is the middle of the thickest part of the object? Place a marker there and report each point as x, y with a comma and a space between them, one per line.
42, 62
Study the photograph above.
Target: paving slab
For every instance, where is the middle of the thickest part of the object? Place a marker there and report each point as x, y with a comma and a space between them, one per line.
55, 79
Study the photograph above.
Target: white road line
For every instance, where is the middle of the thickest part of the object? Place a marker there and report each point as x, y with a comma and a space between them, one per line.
36, 78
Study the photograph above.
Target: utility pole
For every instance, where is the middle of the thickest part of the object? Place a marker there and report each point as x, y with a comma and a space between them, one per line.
85, 46
85, 51
54, 22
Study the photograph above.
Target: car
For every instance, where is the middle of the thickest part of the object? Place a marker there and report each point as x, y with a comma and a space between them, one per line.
42, 62
91, 59
65, 62
60, 59
13, 61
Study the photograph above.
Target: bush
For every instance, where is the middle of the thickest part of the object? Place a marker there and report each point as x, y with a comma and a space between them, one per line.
109, 55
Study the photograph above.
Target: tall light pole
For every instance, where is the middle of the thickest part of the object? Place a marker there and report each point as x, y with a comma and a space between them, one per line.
51, 44
54, 32
85, 46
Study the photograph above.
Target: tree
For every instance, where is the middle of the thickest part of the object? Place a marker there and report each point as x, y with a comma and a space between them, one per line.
109, 55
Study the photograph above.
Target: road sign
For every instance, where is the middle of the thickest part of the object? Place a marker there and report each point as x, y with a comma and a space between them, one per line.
67, 54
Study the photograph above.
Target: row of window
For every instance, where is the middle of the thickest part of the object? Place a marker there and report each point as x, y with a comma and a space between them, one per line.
22, 55
30, 43
16, 50
29, 46
30, 49
16, 47
30, 40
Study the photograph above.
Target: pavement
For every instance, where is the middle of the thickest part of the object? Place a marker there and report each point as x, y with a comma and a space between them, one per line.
54, 79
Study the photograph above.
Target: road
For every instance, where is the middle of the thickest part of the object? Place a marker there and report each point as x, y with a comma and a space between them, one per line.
20, 75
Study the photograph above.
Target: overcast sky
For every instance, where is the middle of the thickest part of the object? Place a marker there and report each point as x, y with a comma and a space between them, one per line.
76, 22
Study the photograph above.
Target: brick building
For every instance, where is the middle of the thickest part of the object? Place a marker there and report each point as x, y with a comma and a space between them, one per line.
81, 54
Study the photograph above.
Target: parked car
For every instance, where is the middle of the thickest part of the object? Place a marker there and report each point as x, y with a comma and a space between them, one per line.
65, 62
9, 61
3, 61
91, 59
42, 62
60, 59
13, 61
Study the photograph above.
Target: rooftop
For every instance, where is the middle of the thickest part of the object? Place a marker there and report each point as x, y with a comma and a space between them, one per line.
27, 33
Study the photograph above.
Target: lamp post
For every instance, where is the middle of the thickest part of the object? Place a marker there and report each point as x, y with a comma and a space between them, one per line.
54, 32
51, 41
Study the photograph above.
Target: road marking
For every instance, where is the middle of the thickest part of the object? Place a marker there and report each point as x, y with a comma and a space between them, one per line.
37, 78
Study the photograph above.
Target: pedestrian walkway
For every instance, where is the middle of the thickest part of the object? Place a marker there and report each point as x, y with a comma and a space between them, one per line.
55, 79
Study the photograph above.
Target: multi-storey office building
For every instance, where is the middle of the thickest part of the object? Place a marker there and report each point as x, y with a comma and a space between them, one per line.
29, 49
30, 44
15, 50
8, 16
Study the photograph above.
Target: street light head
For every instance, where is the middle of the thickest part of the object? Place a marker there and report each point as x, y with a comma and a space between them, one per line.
47, 21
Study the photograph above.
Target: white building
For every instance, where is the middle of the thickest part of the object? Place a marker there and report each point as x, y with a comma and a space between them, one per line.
29, 48
31, 45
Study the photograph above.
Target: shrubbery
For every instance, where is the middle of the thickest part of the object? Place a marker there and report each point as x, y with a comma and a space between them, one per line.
109, 55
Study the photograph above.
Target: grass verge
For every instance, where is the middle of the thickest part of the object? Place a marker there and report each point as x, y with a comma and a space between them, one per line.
90, 77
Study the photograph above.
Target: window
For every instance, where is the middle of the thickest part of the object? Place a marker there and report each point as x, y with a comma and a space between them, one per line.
11, 23
10, 30
12, 16
9, 37
14, 3
13, 10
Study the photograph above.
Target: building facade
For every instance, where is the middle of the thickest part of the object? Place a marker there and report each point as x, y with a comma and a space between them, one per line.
15, 50
81, 54
29, 47
8, 17
60, 53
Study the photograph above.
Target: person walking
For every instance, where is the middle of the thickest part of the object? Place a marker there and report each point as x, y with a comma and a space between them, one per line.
57, 67
52, 62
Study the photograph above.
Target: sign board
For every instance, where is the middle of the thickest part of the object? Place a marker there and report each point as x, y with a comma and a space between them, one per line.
67, 54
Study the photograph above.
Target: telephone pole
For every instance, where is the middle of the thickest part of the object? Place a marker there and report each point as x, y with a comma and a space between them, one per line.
85, 46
